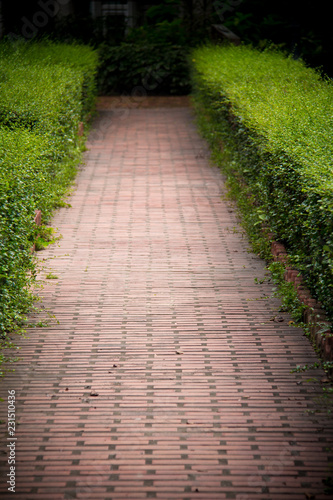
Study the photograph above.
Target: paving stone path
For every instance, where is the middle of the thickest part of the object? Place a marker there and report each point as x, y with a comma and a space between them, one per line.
167, 376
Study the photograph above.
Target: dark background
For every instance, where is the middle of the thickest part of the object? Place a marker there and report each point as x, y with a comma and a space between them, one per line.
304, 28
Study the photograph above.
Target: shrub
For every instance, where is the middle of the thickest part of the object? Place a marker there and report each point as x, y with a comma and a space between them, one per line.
51, 108
46, 89
155, 67
28, 180
277, 114
57, 57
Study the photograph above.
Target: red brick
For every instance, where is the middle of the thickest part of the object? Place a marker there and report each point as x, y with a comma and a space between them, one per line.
160, 316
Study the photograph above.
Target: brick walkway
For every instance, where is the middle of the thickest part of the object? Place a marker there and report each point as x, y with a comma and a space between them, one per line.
167, 376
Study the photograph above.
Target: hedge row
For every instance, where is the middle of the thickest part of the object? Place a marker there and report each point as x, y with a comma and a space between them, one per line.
46, 89
144, 68
277, 116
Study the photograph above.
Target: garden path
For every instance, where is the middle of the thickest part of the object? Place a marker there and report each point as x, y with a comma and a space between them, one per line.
169, 373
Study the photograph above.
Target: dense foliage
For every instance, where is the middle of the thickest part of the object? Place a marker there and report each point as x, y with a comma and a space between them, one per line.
152, 58
276, 115
145, 68
45, 90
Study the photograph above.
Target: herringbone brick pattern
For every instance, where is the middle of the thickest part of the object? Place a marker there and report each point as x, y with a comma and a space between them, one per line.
167, 376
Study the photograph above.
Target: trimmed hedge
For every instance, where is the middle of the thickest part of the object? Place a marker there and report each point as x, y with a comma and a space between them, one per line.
80, 58
46, 89
277, 116
52, 109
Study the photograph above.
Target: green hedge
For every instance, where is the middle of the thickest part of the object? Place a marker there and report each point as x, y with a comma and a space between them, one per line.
45, 90
51, 108
277, 115
151, 68
80, 58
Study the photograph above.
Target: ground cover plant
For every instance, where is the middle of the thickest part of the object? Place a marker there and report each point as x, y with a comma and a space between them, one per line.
46, 89
271, 118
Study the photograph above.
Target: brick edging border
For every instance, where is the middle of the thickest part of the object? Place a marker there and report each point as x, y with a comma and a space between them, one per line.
314, 314
38, 222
